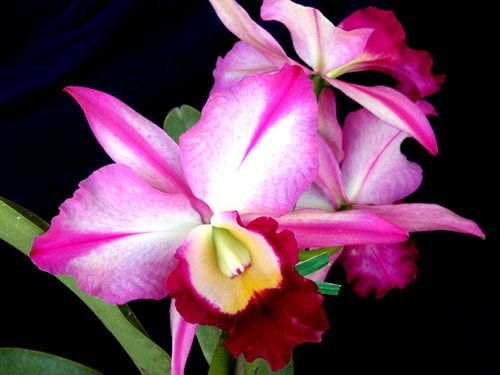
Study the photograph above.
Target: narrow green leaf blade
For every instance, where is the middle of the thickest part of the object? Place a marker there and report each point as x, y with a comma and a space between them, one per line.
208, 338
308, 254
222, 362
18, 361
260, 367
179, 120
18, 229
328, 289
313, 264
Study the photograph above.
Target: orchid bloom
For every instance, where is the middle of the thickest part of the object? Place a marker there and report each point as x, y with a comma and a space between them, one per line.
373, 176
370, 39
165, 219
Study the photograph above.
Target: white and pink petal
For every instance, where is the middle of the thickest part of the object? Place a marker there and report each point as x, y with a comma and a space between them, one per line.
117, 236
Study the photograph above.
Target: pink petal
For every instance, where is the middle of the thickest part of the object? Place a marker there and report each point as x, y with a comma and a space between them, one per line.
254, 148
328, 125
237, 20
117, 236
241, 61
314, 197
379, 268
427, 108
392, 107
329, 177
317, 228
374, 170
320, 44
131, 139
387, 51
423, 217
182, 339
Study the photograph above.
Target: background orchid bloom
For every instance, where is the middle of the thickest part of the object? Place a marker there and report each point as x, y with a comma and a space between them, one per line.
375, 176
165, 219
370, 39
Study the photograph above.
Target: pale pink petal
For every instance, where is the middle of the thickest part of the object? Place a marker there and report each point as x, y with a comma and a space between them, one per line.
318, 228
387, 51
241, 61
131, 139
423, 217
255, 148
314, 197
329, 176
182, 339
328, 125
376, 269
374, 170
392, 107
317, 41
237, 20
117, 236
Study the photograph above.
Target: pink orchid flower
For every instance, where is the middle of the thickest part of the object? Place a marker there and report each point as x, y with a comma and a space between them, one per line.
370, 39
374, 176
165, 219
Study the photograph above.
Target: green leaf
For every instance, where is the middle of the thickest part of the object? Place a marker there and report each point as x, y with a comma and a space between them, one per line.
260, 367
208, 338
179, 120
18, 361
308, 254
313, 264
18, 227
222, 362
328, 288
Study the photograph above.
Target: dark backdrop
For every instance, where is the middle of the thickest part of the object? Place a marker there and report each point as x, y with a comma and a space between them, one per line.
155, 55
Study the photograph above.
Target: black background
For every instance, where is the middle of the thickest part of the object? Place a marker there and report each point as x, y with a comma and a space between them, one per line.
155, 55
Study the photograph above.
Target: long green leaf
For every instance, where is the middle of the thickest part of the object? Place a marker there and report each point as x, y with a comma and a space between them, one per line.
18, 227
260, 367
208, 338
222, 362
179, 120
313, 264
328, 289
18, 361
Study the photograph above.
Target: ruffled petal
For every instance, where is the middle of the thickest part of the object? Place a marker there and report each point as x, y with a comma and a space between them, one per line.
117, 236
254, 148
182, 339
377, 269
387, 52
423, 217
392, 107
241, 61
374, 170
317, 41
131, 139
318, 228
237, 20
267, 310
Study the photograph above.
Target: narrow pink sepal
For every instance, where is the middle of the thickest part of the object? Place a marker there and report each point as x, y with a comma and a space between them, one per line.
374, 170
328, 125
183, 334
392, 107
317, 41
377, 269
255, 146
318, 228
241, 61
423, 217
237, 20
131, 139
117, 236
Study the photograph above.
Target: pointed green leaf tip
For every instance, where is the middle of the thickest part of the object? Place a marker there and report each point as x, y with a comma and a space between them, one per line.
328, 289
312, 264
18, 227
17, 361
179, 120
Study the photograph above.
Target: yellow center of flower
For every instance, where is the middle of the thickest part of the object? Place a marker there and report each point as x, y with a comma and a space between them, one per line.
233, 258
